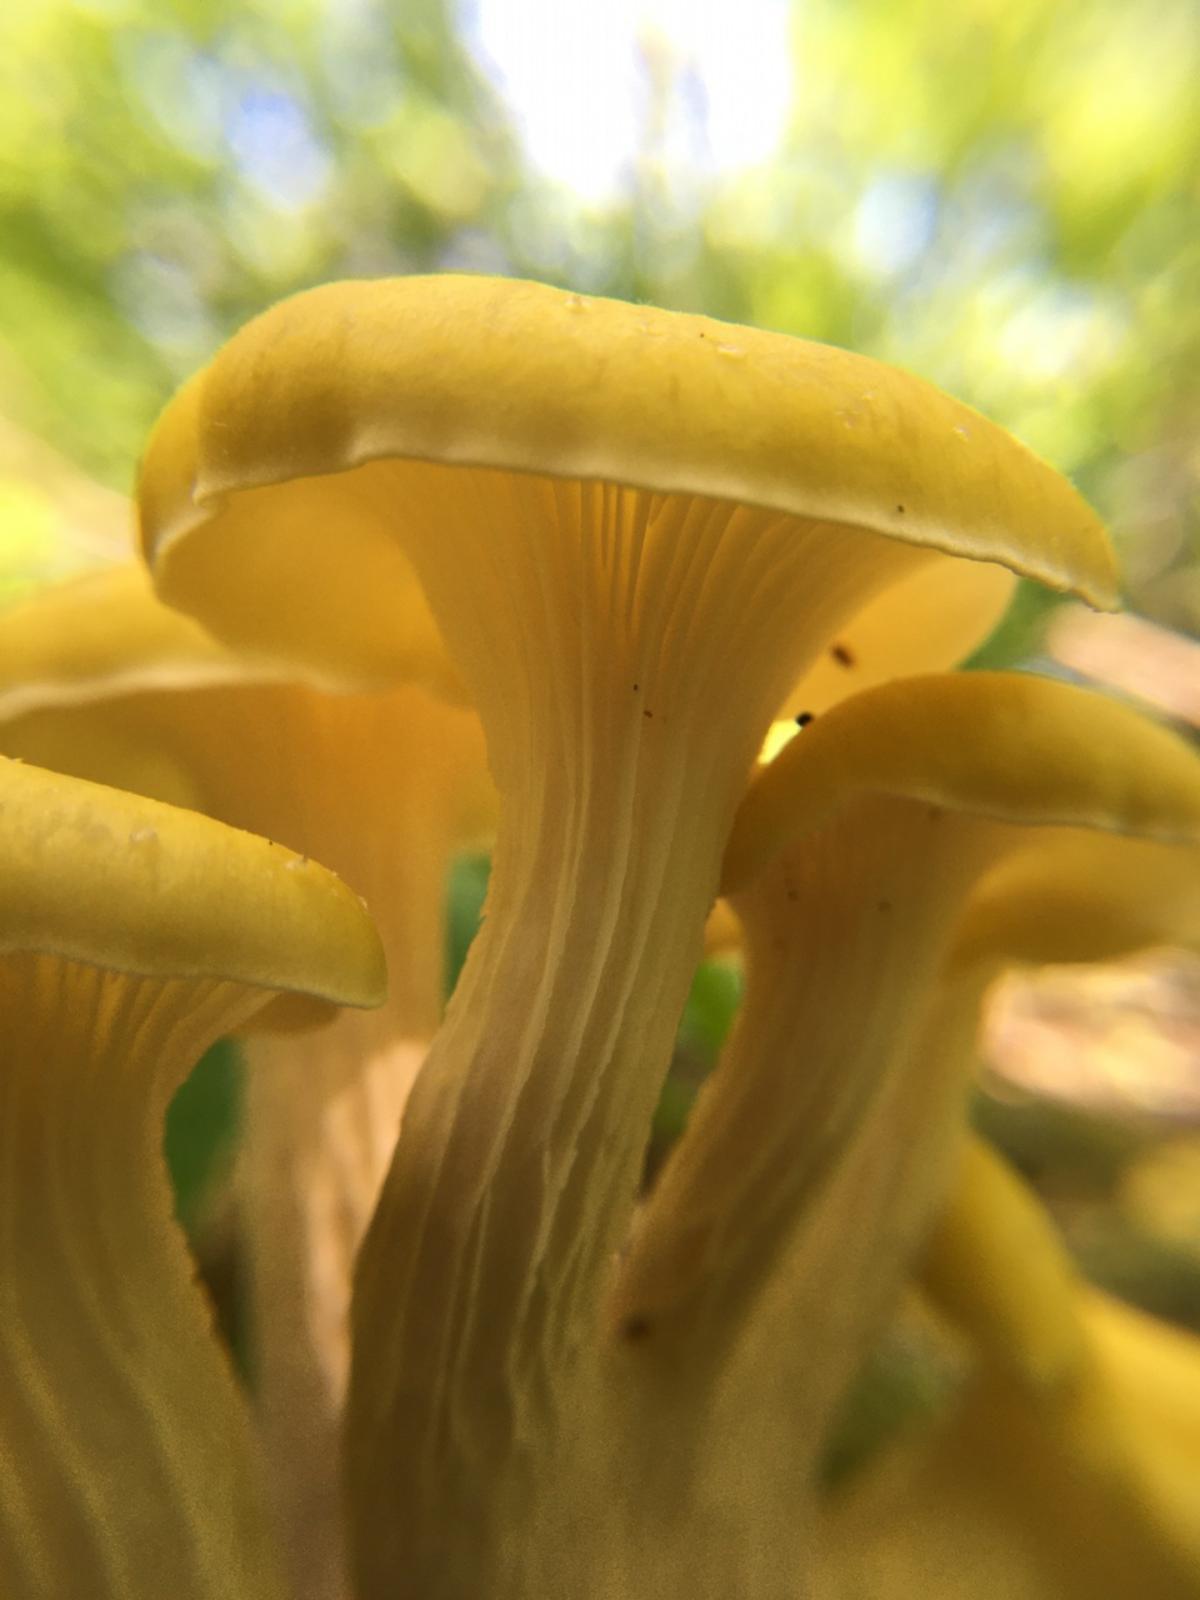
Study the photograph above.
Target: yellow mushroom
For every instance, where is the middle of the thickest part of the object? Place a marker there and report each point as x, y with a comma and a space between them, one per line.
1066, 1468
1075, 897
781, 1226
636, 532
101, 680
132, 934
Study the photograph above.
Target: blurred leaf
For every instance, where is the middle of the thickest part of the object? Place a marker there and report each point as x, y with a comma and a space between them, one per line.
203, 1123
466, 891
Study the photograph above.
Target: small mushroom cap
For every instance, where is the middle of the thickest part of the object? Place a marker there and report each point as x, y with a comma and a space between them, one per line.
94, 636
99, 876
501, 374
1076, 896
107, 633
1005, 745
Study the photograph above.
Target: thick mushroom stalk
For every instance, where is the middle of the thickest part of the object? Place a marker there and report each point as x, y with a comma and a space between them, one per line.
99, 679
131, 936
1066, 1467
635, 532
779, 1231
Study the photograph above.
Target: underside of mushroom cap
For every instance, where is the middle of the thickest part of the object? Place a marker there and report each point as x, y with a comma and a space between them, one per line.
929, 621
108, 878
510, 375
346, 605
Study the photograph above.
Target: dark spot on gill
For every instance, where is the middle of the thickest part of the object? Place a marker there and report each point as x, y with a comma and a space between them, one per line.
636, 1328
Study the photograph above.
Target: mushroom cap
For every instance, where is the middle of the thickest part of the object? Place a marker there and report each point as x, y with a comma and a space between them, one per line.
503, 374
100, 876
1005, 745
107, 633
1076, 896
95, 636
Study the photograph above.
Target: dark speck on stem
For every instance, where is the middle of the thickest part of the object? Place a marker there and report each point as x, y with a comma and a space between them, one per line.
803, 718
842, 654
636, 1328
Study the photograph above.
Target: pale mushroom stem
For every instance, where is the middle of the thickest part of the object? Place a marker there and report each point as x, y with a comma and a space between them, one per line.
844, 935
843, 1266
626, 654
129, 1466
323, 1110
371, 786
477, 1285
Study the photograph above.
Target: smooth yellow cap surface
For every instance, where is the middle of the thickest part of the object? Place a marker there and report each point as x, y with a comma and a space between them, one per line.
101, 876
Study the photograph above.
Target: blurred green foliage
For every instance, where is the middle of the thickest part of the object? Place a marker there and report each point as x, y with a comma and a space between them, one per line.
466, 891
1002, 197
708, 1016
202, 1125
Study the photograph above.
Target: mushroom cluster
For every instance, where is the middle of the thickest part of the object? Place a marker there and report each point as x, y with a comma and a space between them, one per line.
394, 525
